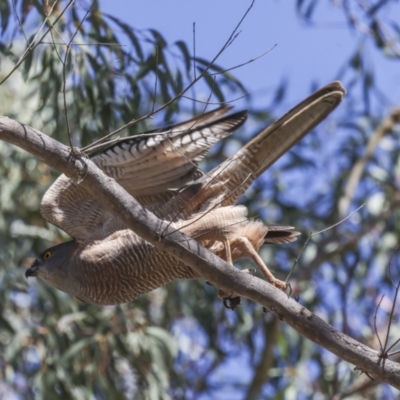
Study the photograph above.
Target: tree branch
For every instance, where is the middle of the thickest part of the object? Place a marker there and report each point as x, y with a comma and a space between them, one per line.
212, 268
356, 172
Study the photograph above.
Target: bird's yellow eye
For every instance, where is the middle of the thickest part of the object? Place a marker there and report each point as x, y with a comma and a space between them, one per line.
47, 255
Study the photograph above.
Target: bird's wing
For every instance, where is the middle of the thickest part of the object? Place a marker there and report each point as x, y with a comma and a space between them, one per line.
149, 167
166, 159
226, 183
240, 170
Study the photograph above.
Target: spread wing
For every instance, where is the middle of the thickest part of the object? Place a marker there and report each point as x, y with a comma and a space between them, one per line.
150, 167
166, 159
223, 185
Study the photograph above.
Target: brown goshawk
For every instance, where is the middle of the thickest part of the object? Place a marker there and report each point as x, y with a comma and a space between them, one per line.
106, 263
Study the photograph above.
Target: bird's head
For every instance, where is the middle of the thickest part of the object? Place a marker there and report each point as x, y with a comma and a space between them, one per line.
53, 265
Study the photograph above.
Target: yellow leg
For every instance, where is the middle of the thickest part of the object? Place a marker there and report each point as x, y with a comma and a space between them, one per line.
247, 250
227, 246
228, 254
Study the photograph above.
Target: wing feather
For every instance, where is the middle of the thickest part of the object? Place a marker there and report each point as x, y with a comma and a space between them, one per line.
153, 167
140, 164
150, 168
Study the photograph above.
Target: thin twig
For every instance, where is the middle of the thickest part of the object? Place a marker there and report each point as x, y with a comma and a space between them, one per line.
155, 83
375, 325
65, 74
396, 293
55, 48
194, 50
384, 350
340, 222
86, 44
165, 105
245, 63
32, 47
299, 255
311, 234
390, 267
218, 103
19, 22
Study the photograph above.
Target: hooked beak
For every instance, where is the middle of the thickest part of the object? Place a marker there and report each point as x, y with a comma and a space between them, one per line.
32, 271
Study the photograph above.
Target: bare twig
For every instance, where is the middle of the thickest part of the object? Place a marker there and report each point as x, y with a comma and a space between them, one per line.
85, 44
194, 50
340, 222
384, 351
375, 324
65, 75
55, 48
194, 81
219, 103
32, 46
311, 234
156, 82
19, 22
245, 63
299, 255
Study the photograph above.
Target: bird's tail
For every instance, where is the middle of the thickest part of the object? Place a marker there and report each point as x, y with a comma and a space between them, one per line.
240, 170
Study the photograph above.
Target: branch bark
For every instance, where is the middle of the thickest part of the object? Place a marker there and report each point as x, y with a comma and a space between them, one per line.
212, 268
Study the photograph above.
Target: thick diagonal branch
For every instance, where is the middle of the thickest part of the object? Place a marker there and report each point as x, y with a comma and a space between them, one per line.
212, 268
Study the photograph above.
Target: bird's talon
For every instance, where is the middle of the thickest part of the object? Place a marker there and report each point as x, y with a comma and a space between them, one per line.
289, 286
280, 284
231, 302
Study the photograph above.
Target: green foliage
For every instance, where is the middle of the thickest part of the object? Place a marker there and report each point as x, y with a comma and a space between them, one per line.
65, 348
179, 341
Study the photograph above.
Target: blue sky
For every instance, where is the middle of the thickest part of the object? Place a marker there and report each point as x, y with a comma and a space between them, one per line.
303, 54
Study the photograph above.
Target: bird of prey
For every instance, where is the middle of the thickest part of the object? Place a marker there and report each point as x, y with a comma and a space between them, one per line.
107, 263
